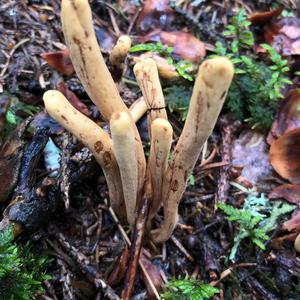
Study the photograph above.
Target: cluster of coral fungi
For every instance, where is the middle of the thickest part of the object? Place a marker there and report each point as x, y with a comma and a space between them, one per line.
120, 152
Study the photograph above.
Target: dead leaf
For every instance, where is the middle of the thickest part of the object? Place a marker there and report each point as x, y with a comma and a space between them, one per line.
186, 46
284, 35
293, 223
287, 118
154, 273
262, 18
73, 99
118, 273
289, 192
60, 61
245, 152
155, 14
284, 156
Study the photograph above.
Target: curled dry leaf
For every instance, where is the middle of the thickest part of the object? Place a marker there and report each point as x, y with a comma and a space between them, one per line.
289, 192
186, 46
284, 35
60, 61
293, 223
287, 118
155, 14
284, 156
73, 99
262, 18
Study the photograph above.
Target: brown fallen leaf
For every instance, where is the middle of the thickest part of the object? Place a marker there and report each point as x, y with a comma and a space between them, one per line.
60, 61
289, 192
284, 156
245, 152
287, 117
284, 35
118, 273
265, 17
293, 223
155, 14
154, 273
186, 46
73, 99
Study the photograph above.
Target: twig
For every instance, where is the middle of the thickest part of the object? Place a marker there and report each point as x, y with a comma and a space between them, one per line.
12, 51
122, 231
182, 249
228, 129
136, 248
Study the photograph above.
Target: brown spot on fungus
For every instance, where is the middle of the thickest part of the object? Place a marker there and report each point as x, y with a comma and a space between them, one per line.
64, 118
98, 146
174, 185
106, 158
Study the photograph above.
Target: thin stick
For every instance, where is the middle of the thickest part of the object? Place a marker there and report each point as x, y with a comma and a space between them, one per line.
126, 238
13, 50
136, 248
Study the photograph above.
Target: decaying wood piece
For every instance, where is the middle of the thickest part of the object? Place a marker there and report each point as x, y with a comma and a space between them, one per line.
146, 74
94, 138
210, 89
161, 140
91, 69
124, 148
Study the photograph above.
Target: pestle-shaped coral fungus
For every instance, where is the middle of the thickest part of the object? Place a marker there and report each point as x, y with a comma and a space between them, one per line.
121, 155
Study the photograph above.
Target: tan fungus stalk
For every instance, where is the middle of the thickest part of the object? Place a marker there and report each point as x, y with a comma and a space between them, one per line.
94, 138
138, 108
146, 74
165, 70
297, 243
120, 50
210, 89
123, 138
76, 17
91, 69
161, 140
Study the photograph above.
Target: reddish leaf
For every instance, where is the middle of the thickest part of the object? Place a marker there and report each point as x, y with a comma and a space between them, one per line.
284, 156
289, 192
265, 17
155, 14
186, 46
60, 61
154, 273
287, 118
284, 35
73, 99
119, 271
293, 223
